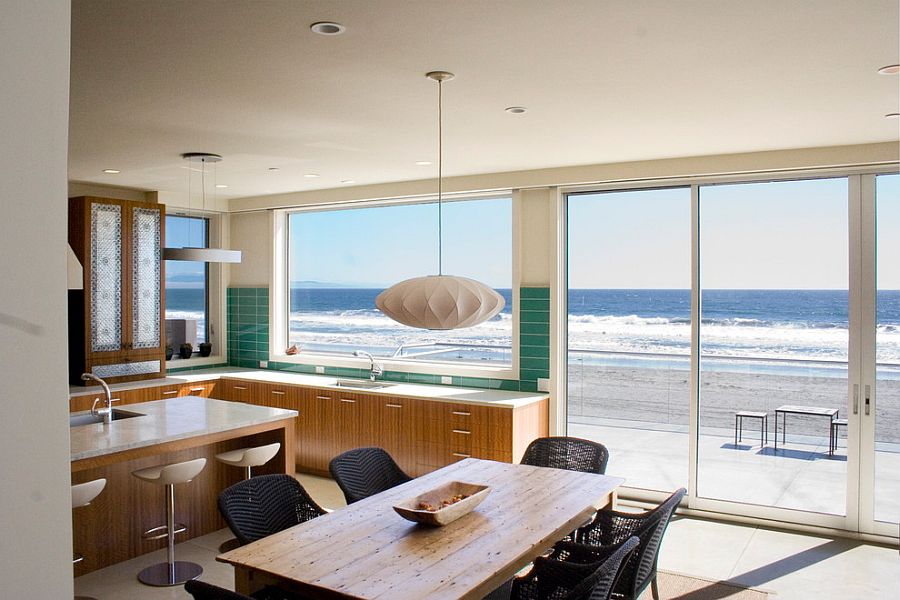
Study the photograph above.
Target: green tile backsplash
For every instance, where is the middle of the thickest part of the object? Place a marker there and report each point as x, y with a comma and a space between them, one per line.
248, 342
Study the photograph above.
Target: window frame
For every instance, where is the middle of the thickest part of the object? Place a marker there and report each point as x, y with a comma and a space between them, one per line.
279, 300
216, 236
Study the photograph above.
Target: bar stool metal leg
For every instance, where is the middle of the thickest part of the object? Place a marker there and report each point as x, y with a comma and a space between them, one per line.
171, 572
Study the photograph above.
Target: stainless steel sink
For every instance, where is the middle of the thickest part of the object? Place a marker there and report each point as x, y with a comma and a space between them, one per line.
89, 419
361, 384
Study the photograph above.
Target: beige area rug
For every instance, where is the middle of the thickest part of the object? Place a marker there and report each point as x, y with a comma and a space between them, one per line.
673, 586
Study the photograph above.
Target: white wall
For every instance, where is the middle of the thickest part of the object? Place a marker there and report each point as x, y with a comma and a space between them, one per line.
251, 233
35, 505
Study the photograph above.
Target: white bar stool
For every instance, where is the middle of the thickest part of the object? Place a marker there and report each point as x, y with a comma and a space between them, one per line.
249, 457
171, 572
82, 495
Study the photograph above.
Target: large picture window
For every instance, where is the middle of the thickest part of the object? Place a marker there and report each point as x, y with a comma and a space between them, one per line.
187, 283
340, 260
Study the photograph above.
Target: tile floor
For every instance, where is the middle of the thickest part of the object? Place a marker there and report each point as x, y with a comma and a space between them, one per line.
793, 565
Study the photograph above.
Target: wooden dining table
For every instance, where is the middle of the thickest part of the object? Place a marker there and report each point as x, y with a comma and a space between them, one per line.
367, 550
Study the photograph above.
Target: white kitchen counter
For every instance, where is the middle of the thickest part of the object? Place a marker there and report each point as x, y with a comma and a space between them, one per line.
441, 393
169, 420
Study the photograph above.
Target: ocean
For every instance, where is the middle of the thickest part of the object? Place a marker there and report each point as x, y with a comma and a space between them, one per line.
766, 326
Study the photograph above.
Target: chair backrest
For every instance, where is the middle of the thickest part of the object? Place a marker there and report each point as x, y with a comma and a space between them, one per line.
201, 590
364, 472
572, 454
266, 504
641, 569
600, 585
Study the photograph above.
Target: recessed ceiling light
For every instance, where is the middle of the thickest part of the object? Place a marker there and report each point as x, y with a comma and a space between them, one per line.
515, 110
221, 186
892, 116
111, 171
889, 70
348, 181
274, 169
423, 163
327, 28
311, 175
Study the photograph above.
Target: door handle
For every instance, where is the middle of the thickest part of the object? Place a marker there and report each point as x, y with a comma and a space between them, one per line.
868, 398
855, 398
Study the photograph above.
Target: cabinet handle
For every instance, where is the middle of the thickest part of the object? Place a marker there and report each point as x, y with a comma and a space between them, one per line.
868, 397
348, 400
239, 387
198, 389
323, 397
462, 431
461, 455
170, 393
462, 413
394, 405
278, 392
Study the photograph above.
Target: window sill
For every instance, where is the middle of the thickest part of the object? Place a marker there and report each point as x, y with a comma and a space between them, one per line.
195, 361
389, 364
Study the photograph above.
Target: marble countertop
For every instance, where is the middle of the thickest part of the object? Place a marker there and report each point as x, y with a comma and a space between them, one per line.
441, 393
169, 420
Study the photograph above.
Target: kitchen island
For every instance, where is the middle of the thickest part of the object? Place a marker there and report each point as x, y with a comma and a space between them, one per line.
165, 431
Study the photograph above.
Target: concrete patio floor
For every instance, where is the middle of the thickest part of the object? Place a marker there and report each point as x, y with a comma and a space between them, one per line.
799, 475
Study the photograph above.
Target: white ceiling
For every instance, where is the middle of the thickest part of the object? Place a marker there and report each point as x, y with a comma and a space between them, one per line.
604, 81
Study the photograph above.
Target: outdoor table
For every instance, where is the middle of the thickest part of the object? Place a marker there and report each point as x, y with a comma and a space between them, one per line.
367, 551
814, 411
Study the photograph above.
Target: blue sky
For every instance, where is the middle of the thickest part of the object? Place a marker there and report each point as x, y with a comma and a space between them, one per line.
379, 246
770, 235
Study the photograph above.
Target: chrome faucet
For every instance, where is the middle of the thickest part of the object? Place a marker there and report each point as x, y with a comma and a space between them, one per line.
106, 413
375, 369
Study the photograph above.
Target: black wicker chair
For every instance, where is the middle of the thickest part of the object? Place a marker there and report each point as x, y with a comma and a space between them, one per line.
572, 454
610, 527
364, 472
201, 590
266, 504
591, 575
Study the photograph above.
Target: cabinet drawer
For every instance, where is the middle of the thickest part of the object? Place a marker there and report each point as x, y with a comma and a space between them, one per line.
202, 389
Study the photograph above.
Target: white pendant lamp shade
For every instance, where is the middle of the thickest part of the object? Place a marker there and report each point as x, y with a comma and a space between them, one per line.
440, 302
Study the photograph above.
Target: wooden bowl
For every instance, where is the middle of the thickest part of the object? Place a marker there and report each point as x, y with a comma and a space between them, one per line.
410, 508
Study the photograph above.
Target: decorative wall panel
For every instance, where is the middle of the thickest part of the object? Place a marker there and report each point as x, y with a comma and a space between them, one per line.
146, 284
106, 279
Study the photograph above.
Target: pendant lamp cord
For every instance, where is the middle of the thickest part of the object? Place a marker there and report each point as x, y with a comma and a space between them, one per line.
440, 177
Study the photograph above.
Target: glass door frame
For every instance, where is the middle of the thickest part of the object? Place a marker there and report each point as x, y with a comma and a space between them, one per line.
861, 344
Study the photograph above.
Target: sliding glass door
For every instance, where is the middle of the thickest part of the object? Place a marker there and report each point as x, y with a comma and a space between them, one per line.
774, 337
629, 330
742, 338
884, 399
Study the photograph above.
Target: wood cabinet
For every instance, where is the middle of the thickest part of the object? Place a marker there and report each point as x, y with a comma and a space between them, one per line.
117, 322
421, 435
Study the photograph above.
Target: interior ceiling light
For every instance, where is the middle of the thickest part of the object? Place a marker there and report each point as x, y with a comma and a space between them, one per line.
311, 175
197, 253
327, 28
423, 163
274, 169
221, 186
515, 110
892, 116
889, 70
440, 301
111, 171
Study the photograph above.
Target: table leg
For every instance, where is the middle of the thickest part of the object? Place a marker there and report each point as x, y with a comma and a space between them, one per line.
736, 418
761, 429
776, 430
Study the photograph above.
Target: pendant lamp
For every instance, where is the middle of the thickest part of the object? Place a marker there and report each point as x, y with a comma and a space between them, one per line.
440, 301
197, 253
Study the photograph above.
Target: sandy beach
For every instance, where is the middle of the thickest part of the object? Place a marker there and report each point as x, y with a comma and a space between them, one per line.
661, 396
